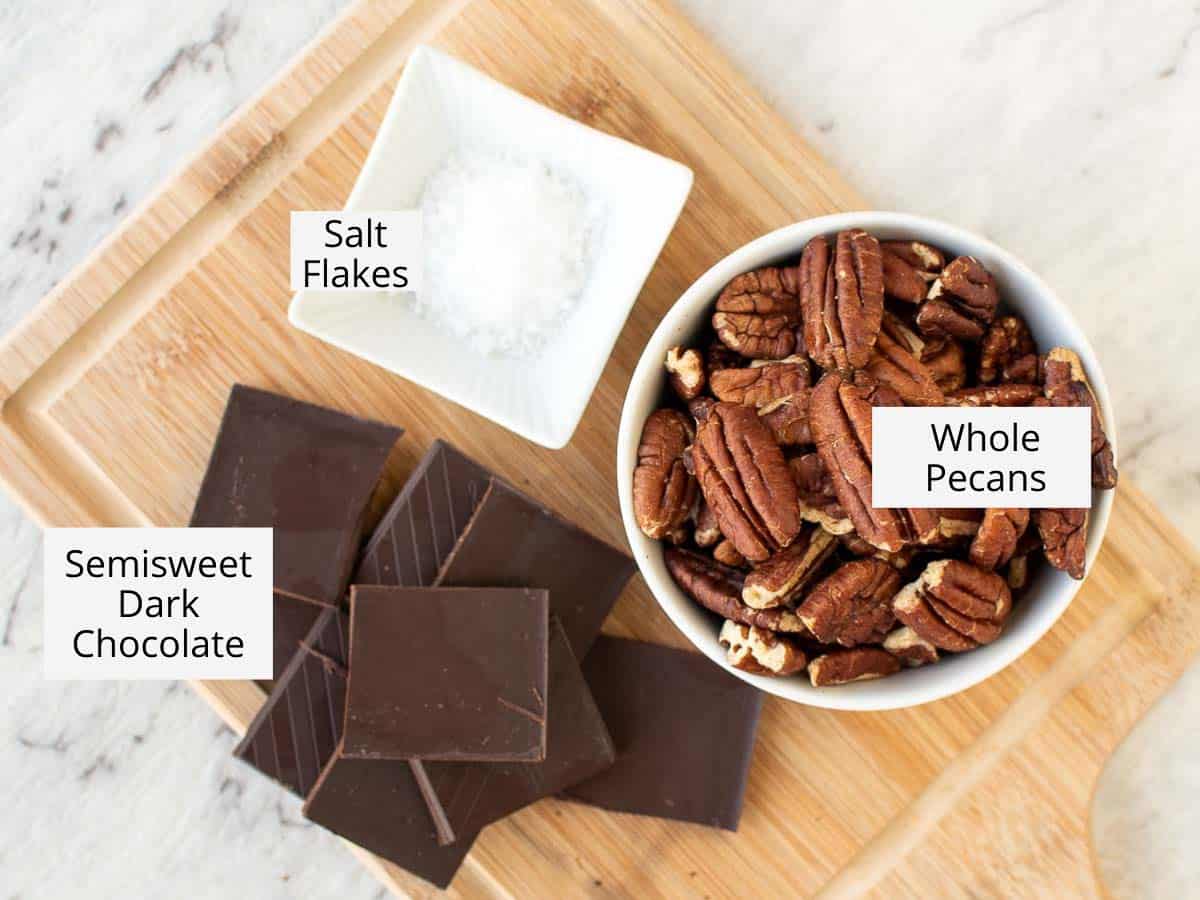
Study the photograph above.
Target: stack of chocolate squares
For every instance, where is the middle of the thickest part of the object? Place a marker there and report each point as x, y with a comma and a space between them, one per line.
468, 678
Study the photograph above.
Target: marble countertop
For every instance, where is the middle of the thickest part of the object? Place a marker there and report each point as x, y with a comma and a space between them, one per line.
1066, 130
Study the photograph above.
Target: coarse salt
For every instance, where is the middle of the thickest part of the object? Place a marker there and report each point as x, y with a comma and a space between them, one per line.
506, 250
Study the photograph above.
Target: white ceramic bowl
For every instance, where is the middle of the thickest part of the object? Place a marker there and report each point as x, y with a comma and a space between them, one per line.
442, 105
1050, 592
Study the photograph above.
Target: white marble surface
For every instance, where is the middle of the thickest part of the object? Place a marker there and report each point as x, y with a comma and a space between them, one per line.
1064, 129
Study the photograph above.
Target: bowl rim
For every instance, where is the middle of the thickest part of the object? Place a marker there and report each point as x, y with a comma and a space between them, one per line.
785, 242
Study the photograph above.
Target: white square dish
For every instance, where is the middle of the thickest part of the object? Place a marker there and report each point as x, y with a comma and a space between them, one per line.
442, 105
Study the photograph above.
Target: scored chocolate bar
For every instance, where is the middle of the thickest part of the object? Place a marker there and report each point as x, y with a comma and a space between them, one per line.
424, 522
307, 472
684, 732
447, 674
296, 730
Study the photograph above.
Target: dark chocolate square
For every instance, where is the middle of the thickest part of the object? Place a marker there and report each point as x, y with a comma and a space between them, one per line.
376, 804
514, 541
684, 730
447, 674
465, 797
306, 471
296, 730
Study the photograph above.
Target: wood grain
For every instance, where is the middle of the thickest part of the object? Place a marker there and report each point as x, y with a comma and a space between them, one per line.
113, 388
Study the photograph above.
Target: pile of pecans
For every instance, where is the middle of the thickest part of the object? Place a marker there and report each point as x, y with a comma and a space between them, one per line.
757, 474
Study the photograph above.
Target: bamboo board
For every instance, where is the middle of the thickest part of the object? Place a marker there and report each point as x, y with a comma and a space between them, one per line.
113, 388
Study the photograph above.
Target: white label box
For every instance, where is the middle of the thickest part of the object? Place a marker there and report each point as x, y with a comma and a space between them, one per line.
956, 457
356, 251
158, 603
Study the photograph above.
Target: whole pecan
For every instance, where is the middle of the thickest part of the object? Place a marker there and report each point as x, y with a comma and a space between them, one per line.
954, 605
779, 579
961, 302
996, 540
663, 491
758, 312
853, 604
1007, 352
746, 481
841, 302
718, 588
686, 368
1064, 538
818, 500
910, 648
760, 651
1066, 384
995, 395
946, 361
840, 417
708, 529
845, 666
894, 364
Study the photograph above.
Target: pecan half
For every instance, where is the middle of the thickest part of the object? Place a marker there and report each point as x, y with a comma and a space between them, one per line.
778, 580
1064, 538
788, 420
686, 368
995, 395
961, 302
719, 588
727, 554
708, 529
818, 500
853, 604
996, 540
901, 279
910, 648
758, 312
746, 481
663, 491
954, 605
926, 259
893, 364
840, 417
762, 384
947, 363
760, 651
842, 301
1007, 352
1066, 384
845, 666
955, 525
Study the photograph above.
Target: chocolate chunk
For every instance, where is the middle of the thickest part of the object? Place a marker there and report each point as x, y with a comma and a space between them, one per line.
306, 471
420, 528
296, 730
684, 731
447, 674
467, 796
377, 804
514, 541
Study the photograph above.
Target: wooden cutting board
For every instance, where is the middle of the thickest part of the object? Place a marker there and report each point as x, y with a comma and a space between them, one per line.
113, 387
